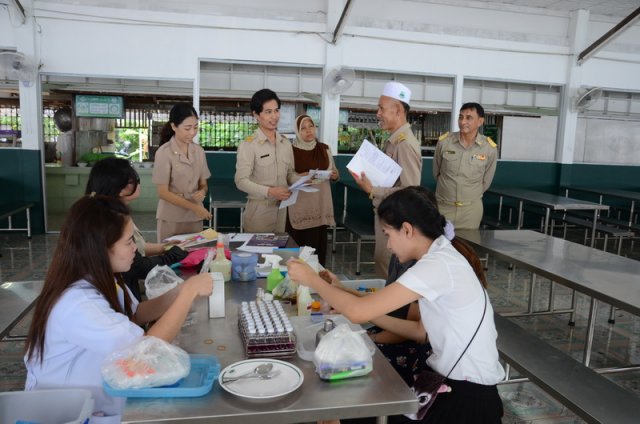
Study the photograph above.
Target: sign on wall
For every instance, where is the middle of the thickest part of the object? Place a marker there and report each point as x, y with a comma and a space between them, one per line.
99, 106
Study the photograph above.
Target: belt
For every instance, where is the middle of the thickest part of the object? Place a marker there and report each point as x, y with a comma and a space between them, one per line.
458, 204
267, 201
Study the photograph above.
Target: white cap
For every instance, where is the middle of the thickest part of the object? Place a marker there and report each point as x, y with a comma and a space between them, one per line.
397, 91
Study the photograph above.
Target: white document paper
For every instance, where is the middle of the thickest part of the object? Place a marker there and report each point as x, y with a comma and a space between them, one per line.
246, 237
381, 170
295, 188
319, 174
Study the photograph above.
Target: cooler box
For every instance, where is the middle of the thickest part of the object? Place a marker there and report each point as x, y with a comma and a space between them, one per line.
55, 406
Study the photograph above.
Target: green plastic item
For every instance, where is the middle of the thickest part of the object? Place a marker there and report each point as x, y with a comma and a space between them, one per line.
273, 279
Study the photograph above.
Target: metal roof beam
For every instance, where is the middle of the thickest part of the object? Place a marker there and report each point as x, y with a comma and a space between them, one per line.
606, 38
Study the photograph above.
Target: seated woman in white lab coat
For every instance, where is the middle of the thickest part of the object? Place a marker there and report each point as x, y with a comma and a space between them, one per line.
85, 311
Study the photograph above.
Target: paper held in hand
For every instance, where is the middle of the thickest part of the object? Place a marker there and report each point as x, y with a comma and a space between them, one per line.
381, 170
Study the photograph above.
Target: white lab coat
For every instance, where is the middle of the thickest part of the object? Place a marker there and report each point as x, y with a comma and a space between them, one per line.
81, 331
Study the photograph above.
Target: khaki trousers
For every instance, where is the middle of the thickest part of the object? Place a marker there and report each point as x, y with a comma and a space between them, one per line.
263, 216
463, 217
382, 255
169, 228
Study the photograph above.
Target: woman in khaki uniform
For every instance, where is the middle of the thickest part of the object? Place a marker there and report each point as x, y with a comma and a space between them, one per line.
312, 212
264, 167
180, 174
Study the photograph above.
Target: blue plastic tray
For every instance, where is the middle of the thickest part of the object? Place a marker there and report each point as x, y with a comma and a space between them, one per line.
204, 371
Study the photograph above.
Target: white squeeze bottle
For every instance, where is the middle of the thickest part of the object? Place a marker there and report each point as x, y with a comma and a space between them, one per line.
303, 299
221, 264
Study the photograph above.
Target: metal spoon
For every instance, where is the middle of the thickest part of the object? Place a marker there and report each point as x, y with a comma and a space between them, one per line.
261, 371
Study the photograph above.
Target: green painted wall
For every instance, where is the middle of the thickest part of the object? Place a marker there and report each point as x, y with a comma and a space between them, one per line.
21, 181
20, 175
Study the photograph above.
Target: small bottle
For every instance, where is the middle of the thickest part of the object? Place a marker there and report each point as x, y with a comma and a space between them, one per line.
328, 326
221, 263
304, 300
275, 276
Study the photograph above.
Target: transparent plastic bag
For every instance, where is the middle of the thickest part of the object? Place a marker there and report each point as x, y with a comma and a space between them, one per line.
287, 289
151, 362
160, 280
342, 353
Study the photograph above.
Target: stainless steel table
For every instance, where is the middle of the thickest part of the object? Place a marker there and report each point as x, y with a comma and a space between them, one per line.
16, 300
631, 196
381, 393
600, 275
549, 202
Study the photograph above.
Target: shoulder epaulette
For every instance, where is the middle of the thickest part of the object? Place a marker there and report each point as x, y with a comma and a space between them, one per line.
443, 136
401, 137
491, 142
249, 138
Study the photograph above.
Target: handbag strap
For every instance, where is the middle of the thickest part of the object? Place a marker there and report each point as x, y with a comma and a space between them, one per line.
474, 334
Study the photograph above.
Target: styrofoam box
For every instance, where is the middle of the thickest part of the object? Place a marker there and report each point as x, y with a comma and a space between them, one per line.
375, 283
59, 406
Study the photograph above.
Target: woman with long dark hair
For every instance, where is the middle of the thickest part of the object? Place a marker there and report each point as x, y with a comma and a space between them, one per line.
85, 311
448, 282
180, 174
116, 177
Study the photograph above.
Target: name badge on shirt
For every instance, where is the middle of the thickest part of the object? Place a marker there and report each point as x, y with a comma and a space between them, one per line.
480, 157
450, 152
264, 156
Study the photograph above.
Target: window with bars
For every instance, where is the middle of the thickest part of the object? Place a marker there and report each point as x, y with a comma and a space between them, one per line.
10, 125
225, 130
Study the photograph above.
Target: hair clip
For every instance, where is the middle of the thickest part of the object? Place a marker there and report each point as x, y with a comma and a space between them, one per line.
93, 194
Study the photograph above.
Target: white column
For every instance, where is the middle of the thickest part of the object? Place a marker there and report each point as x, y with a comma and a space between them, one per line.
30, 94
568, 119
458, 101
196, 96
330, 104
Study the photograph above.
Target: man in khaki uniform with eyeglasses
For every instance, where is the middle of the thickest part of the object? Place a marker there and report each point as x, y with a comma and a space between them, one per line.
463, 166
404, 148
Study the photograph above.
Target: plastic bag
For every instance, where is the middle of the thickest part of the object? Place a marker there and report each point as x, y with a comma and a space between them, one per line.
286, 290
342, 353
160, 280
151, 362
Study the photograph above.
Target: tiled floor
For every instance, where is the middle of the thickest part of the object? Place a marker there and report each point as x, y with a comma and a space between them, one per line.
524, 402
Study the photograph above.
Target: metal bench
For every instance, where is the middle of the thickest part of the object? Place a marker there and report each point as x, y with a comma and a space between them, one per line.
588, 394
364, 232
8, 210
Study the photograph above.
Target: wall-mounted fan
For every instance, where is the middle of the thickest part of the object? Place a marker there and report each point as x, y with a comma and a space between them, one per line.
18, 66
63, 118
586, 98
339, 80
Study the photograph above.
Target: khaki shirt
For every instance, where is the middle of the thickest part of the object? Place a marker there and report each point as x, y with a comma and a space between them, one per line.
463, 175
260, 165
404, 148
182, 174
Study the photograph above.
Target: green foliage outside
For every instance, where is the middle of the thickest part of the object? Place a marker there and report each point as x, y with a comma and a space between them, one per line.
128, 143
224, 135
350, 138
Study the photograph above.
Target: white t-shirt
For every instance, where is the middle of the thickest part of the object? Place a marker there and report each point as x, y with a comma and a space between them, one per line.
81, 331
451, 308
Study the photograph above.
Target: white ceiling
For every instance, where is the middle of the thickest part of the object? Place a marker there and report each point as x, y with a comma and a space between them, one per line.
315, 10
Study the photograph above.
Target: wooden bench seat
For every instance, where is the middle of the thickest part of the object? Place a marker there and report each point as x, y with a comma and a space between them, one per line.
9, 210
588, 394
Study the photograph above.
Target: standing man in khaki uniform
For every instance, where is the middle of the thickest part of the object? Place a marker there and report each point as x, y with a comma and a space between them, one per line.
264, 167
403, 147
463, 166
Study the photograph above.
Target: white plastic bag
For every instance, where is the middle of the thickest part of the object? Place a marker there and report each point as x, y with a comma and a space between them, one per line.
151, 362
160, 280
342, 353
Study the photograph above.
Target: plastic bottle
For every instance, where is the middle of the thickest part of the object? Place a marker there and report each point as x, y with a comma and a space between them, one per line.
304, 300
221, 263
275, 276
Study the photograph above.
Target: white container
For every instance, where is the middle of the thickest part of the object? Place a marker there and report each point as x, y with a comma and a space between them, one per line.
216, 300
59, 406
306, 331
369, 285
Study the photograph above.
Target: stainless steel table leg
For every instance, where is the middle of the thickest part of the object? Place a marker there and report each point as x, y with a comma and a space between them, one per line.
574, 302
381, 420
546, 221
591, 325
532, 293
520, 213
593, 229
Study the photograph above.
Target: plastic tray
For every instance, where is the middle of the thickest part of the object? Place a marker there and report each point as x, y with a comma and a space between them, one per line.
375, 283
204, 371
306, 330
58, 406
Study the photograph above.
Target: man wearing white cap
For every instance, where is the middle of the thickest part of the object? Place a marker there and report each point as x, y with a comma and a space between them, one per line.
403, 147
